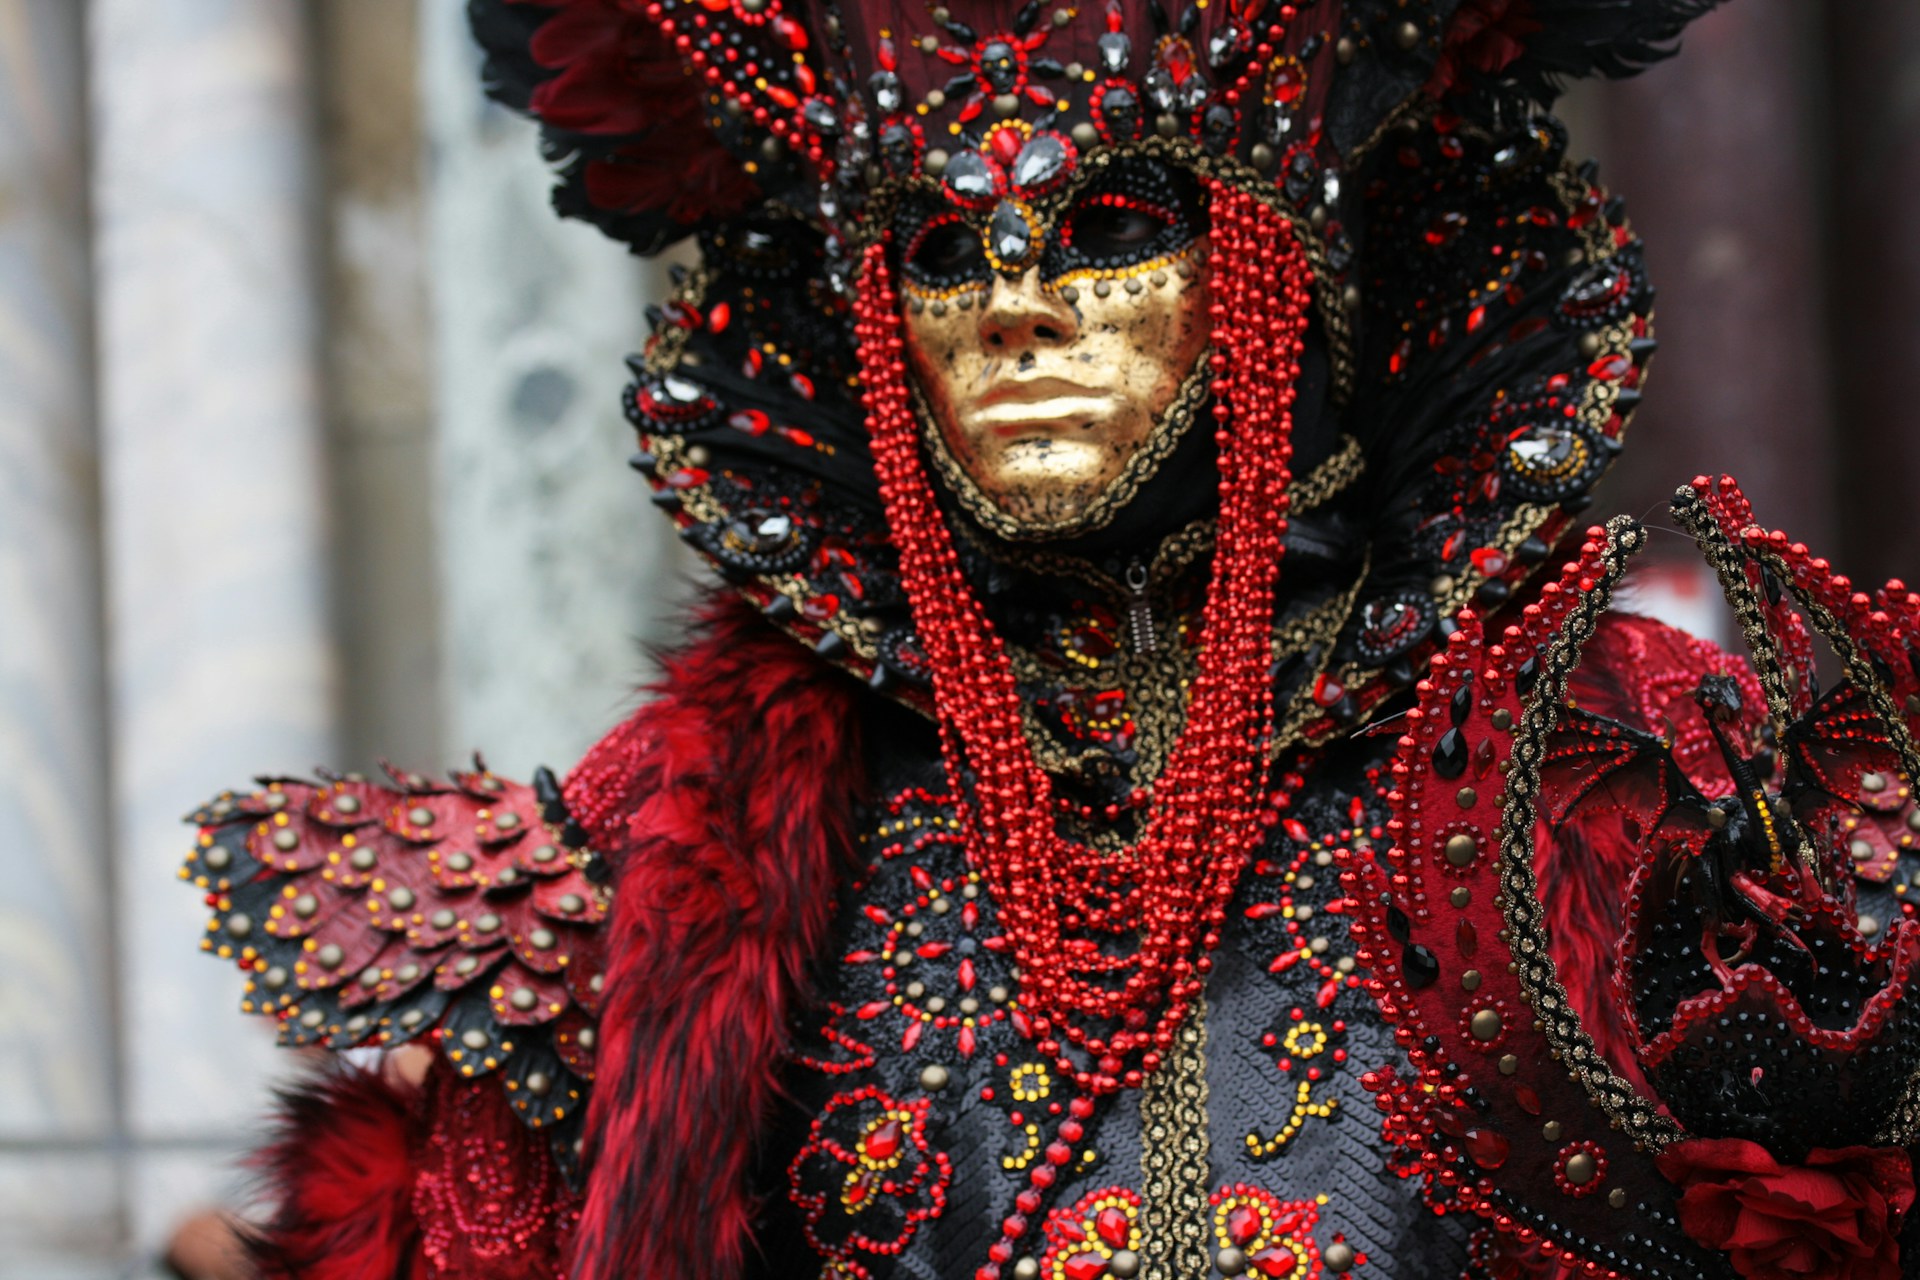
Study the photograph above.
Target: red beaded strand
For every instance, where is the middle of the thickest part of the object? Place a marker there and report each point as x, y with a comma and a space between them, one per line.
1170, 889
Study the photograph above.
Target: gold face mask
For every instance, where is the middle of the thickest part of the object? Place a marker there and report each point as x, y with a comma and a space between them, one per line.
1052, 385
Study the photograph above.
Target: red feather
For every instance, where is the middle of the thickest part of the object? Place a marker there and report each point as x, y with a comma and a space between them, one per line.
726, 807
342, 1164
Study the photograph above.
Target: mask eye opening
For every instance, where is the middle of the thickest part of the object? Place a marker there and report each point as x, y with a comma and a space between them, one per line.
944, 251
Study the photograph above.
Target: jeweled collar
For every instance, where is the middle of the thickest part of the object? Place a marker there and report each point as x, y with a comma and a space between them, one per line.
1502, 325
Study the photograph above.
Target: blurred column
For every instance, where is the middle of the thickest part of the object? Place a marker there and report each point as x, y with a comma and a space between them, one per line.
56, 1010
1874, 131
220, 657
1719, 156
553, 567
379, 362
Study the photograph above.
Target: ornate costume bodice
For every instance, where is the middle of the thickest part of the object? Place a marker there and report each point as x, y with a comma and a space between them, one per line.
927, 1139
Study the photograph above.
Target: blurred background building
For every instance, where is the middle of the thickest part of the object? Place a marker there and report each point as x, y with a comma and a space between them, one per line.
310, 452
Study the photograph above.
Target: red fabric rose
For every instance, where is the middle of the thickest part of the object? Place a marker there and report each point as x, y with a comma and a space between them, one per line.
1836, 1217
1485, 38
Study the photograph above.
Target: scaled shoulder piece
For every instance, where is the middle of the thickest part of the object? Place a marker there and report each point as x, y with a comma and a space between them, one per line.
371, 914
1742, 906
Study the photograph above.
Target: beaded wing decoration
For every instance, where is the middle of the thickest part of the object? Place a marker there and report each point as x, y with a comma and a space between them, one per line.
1737, 1089
465, 914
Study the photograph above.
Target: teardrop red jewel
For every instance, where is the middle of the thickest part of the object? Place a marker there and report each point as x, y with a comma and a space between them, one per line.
1166, 896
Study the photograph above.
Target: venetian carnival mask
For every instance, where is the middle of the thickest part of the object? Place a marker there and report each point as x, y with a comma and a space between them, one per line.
1057, 355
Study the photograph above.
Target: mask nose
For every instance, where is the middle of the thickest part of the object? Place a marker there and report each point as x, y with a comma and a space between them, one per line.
1020, 314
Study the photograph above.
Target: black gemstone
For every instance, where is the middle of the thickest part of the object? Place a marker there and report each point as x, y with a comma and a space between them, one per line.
1009, 235
1398, 926
1421, 967
1462, 705
1528, 675
1115, 52
821, 117
1039, 162
969, 177
1228, 44
886, 91
1450, 755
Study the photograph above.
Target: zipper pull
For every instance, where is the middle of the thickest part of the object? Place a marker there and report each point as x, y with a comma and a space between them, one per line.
1139, 612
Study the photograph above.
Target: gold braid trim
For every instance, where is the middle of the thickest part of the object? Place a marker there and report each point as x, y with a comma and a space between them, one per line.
1176, 1160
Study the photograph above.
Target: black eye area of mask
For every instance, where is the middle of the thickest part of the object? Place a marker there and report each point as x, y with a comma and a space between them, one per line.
1134, 211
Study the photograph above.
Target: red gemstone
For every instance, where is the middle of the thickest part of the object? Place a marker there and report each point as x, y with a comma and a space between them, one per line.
1287, 81
1488, 1149
1529, 1100
1177, 58
1112, 1226
1490, 561
1084, 1266
1006, 144
883, 1140
789, 33
858, 1190
1327, 690
1466, 940
1243, 1223
1277, 1262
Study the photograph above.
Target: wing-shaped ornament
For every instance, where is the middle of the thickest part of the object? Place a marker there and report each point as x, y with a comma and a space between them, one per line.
1512, 1111
466, 913
1594, 760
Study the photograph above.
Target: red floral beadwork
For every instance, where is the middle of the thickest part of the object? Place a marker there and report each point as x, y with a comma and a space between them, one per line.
1082, 1241
867, 1177
1060, 901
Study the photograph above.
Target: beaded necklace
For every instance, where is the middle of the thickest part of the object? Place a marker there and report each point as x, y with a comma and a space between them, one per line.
1167, 893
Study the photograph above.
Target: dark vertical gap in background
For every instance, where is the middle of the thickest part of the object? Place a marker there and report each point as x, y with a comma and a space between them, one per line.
1719, 154
1873, 59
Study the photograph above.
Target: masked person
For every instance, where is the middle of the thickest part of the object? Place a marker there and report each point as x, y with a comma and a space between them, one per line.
1150, 802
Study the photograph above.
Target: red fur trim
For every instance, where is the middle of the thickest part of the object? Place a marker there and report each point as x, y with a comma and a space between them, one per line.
341, 1163
726, 806
1634, 669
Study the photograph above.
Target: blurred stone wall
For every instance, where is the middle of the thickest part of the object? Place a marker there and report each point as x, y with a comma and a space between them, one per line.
310, 453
